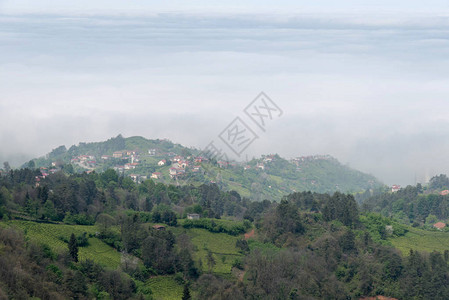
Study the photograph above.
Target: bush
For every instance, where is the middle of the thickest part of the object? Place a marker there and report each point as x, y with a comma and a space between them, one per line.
78, 219
82, 240
243, 245
238, 264
212, 226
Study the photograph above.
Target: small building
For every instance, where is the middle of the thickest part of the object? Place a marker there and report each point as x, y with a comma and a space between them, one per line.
131, 166
178, 158
152, 152
444, 193
395, 188
159, 227
37, 179
200, 159
261, 166
156, 175
439, 225
268, 158
174, 172
222, 164
119, 169
117, 154
162, 162
193, 216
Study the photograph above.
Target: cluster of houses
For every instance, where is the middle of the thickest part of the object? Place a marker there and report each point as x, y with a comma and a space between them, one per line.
89, 162
303, 159
179, 165
133, 161
84, 161
261, 165
44, 173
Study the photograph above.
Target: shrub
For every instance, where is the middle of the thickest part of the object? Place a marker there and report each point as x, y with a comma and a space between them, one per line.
212, 226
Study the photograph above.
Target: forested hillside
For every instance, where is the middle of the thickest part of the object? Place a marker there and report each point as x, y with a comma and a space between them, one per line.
100, 235
418, 205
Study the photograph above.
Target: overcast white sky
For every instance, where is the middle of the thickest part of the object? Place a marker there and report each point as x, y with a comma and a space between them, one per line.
364, 81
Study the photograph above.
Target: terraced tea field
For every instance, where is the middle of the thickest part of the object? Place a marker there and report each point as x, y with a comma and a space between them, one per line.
422, 240
51, 235
165, 288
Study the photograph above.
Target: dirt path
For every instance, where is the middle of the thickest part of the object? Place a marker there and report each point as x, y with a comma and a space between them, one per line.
249, 234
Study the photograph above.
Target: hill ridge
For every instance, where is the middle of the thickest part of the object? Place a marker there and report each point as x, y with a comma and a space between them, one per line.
268, 177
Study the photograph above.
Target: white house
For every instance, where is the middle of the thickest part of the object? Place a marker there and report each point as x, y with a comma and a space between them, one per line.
395, 188
156, 175
193, 216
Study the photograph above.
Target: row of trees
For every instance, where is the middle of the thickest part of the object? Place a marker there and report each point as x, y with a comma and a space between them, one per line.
80, 198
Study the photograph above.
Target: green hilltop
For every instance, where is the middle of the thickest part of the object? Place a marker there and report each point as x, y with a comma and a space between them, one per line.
267, 177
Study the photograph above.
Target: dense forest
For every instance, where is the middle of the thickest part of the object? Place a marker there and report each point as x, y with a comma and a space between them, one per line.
308, 245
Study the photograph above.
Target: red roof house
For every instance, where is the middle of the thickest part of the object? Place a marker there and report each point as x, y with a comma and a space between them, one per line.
439, 225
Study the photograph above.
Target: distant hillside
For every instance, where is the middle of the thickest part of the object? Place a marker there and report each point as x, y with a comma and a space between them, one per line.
268, 177
420, 205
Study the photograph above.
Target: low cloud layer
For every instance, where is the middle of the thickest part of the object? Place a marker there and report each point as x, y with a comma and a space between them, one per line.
370, 91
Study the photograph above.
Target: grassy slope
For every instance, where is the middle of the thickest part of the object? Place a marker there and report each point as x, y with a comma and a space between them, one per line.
422, 240
49, 234
221, 245
165, 288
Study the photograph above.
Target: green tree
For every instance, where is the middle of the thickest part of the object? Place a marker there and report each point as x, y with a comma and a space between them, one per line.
73, 248
347, 241
210, 260
108, 176
186, 293
431, 219
104, 222
47, 211
288, 219
132, 233
6, 167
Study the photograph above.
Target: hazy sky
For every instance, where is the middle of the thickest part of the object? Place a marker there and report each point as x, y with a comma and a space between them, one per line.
364, 81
